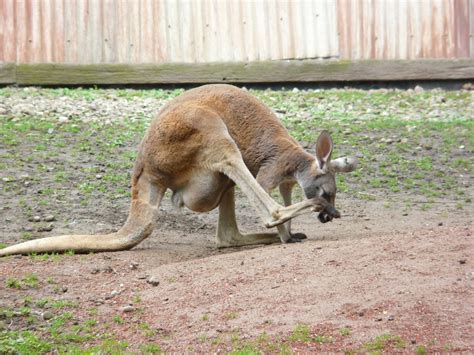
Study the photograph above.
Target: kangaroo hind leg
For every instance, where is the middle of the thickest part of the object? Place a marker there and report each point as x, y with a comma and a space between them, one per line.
228, 234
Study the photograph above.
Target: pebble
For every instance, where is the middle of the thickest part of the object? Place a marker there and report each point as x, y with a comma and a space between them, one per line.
134, 265
98, 176
379, 319
462, 261
418, 89
49, 218
47, 228
47, 315
153, 281
36, 219
391, 317
127, 309
112, 295
440, 224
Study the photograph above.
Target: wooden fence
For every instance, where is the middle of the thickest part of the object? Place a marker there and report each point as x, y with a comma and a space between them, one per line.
155, 41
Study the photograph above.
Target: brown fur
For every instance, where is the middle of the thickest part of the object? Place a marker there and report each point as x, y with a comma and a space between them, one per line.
199, 146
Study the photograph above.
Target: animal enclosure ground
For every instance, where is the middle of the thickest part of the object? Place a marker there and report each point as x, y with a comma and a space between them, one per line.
394, 273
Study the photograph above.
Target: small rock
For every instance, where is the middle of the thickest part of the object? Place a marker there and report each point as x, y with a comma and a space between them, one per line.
47, 228
108, 270
142, 277
413, 341
36, 219
379, 319
418, 89
127, 309
405, 214
95, 270
462, 147
440, 224
98, 176
153, 281
112, 294
50, 130
390, 318
62, 119
468, 86
404, 141
64, 289
295, 90
361, 313
47, 315
462, 261
49, 218
26, 183
134, 265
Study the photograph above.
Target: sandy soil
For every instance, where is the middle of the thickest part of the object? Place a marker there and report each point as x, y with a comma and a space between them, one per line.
375, 271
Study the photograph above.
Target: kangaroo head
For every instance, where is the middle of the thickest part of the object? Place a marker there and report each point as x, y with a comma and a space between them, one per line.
319, 177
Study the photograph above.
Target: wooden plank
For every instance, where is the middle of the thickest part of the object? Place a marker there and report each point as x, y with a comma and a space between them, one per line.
265, 71
7, 73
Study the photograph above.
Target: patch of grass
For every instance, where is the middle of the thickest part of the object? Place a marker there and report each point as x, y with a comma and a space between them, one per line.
118, 319
232, 315
30, 280
11, 282
421, 350
150, 348
384, 340
345, 331
61, 304
300, 334
23, 342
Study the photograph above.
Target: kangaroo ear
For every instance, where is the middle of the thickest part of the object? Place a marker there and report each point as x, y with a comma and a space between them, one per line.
323, 149
344, 164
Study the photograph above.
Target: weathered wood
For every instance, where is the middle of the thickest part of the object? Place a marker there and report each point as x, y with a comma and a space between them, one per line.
7, 73
266, 71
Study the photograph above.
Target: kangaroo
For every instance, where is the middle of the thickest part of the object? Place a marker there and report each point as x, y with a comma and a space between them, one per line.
200, 145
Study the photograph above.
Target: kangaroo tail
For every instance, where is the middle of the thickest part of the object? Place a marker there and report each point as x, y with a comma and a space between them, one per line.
139, 225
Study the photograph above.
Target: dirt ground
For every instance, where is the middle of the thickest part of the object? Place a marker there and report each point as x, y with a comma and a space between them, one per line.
384, 277
376, 271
